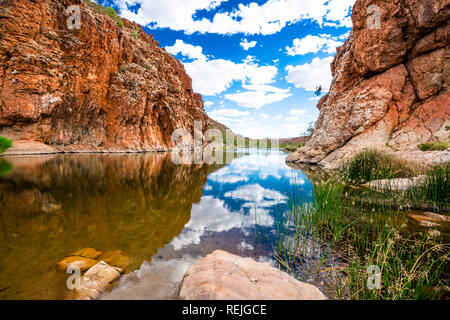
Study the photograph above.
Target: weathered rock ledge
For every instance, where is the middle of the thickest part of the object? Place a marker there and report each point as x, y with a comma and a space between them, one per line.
223, 276
390, 88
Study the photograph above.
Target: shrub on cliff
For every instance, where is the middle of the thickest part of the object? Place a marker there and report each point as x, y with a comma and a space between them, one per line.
434, 146
374, 165
5, 144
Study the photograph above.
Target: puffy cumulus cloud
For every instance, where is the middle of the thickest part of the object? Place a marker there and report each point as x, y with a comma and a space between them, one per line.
258, 96
213, 215
265, 18
187, 50
311, 75
231, 113
211, 77
314, 44
257, 196
247, 45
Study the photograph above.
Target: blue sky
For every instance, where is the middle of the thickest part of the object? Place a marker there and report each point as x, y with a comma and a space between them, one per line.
256, 63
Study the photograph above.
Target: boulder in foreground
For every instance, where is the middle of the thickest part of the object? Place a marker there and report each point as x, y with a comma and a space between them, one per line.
223, 276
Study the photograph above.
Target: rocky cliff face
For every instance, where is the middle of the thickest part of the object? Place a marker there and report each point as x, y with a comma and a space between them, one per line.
390, 85
104, 87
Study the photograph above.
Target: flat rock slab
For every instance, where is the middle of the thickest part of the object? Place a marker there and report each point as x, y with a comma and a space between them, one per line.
87, 253
223, 276
95, 280
396, 184
81, 263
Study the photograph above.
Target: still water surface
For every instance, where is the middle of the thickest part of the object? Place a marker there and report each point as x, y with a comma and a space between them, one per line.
162, 215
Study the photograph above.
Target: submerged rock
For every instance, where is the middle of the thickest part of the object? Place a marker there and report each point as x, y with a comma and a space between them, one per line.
223, 276
396, 184
116, 258
75, 261
88, 253
95, 280
429, 219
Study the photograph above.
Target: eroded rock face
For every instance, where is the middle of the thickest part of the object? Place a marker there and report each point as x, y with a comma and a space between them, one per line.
104, 87
390, 85
223, 276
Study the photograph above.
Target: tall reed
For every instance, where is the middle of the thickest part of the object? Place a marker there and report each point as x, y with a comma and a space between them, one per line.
411, 265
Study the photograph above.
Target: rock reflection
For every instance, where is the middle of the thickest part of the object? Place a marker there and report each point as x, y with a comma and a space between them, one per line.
52, 206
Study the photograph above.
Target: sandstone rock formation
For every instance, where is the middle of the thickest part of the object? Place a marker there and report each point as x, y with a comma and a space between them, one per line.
223, 276
105, 87
390, 86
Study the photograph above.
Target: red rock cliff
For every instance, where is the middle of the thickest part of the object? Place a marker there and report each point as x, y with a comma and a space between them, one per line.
390, 85
104, 87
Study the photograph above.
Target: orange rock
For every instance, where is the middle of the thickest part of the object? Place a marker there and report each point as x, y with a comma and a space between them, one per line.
93, 89
76, 261
390, 86
87, 253
116, 258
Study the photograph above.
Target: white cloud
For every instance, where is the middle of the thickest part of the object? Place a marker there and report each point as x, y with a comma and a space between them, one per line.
253, 18
213, 215
292, 119
277, 117
187, 50
311, 75
247, 45
257, 196
314, 44
211, 77
232, 113
258, 96
298, 112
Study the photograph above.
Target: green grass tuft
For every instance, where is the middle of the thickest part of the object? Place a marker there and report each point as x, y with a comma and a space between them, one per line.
375, 165
412, 265
434, 146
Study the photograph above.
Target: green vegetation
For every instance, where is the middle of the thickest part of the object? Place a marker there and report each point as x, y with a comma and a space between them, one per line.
135, 34
5, 144
291, 147
435, 188
5, 167
411, 265
368, 231
374, 165
109, 11
435, 146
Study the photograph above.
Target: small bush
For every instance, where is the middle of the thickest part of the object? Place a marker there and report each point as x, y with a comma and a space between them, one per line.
5, 144
375, 165
106, 11
135, 35
434, 146
292, 147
